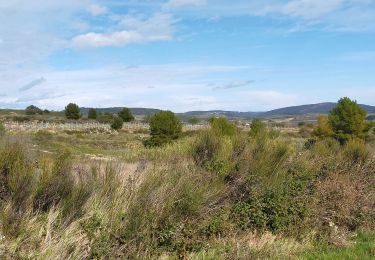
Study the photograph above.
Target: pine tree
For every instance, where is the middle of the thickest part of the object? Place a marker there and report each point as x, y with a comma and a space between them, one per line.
126, 115
72, 111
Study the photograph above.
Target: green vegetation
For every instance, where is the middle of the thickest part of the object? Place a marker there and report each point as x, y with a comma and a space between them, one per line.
2, 129
105, 118
221, 126
33, 110
323, 128
165, 127
117, 123
257, 127
72, 111
347, 120
126, 115
216, 193
92, 114
362, 248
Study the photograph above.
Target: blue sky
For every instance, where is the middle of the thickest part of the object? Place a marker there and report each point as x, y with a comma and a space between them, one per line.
182, 55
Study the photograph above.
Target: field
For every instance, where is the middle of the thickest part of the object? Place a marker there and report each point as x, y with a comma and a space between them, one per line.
212, 194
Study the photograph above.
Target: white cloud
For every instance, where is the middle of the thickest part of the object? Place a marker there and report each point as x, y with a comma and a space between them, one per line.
113, 39
95, 10
31, 30
178, 87
159, 27
184, 3
310, 8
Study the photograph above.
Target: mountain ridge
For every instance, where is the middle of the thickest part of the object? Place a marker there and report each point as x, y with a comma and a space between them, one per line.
300, 110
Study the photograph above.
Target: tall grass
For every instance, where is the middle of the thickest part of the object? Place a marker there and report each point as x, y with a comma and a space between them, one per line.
208, 195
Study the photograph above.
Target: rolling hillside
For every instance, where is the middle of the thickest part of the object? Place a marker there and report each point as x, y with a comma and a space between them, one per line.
311, 109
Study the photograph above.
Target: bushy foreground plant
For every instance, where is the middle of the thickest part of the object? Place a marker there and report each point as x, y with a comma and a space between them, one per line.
28, 189
222, 127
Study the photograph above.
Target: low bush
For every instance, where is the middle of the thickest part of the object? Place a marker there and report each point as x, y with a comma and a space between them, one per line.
356, 151
257, 128
222, 127
164, 128
117, 123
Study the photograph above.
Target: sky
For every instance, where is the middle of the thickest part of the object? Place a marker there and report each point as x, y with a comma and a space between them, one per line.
184, 55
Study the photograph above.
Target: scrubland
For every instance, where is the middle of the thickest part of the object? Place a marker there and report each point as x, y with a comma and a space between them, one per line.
212, 194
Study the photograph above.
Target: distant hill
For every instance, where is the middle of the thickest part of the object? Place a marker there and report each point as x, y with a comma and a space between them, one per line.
320, 108
135, 111
311, 109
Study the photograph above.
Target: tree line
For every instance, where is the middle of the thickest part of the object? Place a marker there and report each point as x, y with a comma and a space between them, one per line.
345, 122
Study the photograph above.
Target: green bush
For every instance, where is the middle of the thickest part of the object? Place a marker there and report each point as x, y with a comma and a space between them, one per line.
221, 126
165, 127
126, 115
323, 128
356, 151
33, 110
93, 114
206, 148
117, 123
257, 128
72, 111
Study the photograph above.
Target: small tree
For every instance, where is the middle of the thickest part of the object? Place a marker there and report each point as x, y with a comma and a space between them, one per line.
72, 111
33, 110
347, 120
93, 114
126, 115
165, 127
117, 123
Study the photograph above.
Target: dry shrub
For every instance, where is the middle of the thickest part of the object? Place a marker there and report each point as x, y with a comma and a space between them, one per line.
55, 184
206, 148
356, 151
346, 200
